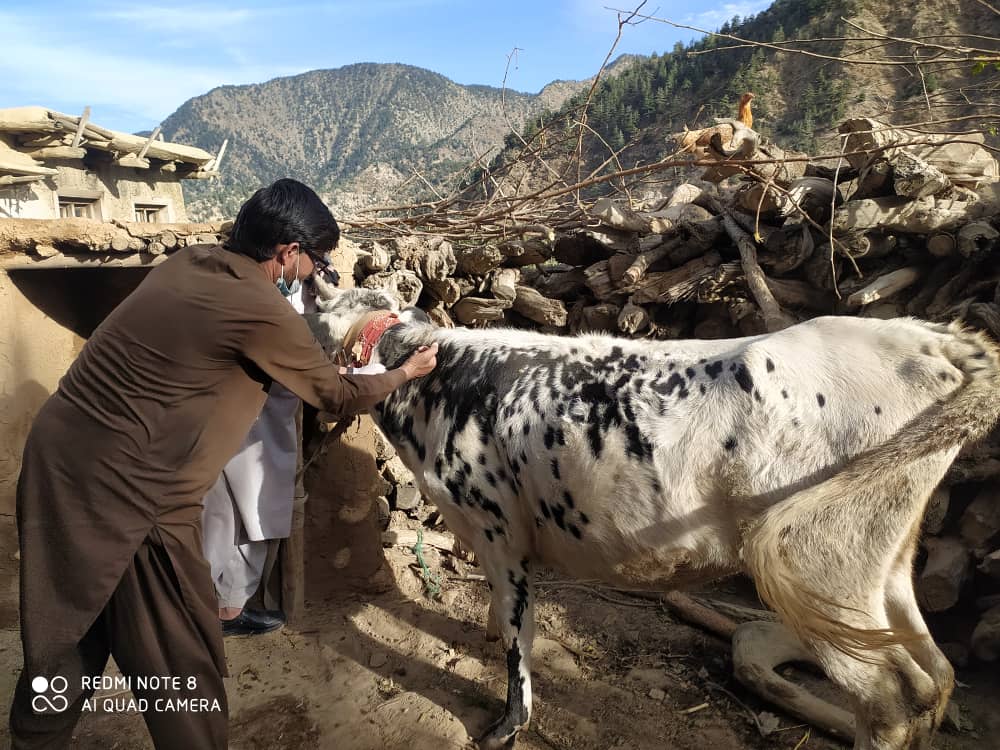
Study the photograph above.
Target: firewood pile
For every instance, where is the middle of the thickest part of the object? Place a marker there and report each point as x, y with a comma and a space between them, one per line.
907, 224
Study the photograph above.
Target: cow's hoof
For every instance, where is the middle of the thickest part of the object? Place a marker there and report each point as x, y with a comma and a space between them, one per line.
499, 736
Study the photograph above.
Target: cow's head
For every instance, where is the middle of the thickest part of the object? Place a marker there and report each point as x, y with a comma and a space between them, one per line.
333, 312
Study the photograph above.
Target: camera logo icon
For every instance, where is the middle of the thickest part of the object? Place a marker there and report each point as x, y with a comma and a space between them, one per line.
49, 696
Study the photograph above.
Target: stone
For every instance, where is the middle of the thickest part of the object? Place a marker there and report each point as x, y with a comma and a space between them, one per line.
407, 497
657, 695
383, 448
377, 660
396, 472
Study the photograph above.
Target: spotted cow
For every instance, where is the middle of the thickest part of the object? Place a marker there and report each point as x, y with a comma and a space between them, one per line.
804, 458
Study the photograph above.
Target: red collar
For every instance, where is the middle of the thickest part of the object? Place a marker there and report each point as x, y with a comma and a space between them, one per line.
359, 350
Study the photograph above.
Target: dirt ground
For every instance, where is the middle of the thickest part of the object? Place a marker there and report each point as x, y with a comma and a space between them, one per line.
398, 670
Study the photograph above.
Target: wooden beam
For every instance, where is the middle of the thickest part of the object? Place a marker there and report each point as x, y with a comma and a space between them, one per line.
213, 166
91, 260
80, 126
144, 149
9, 179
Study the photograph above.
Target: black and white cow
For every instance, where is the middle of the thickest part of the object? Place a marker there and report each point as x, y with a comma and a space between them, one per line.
804, 458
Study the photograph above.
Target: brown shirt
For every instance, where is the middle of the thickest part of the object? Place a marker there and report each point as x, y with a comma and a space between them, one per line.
160, 398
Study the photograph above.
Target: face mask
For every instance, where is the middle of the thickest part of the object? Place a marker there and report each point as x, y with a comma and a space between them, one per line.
288, 291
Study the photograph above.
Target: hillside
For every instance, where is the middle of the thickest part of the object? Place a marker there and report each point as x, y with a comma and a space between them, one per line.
357, 133
799, 100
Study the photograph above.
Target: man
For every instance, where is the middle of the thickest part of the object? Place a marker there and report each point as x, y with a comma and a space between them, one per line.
120, 457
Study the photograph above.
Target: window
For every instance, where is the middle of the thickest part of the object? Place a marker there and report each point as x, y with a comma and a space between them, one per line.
78, 208
149, 213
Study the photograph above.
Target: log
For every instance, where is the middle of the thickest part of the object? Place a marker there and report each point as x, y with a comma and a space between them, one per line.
90, 260
941, 245
470, 310
986, 636
600, 317
448, 291
684, 193
376, 258
981, 520
168, 239
404, 285
668, 287
990, 566
617, 216
584, 247
967, 164
156, 248
800, 295
775, 318
133, 161
947, 293
913, 177
9, 179
478, 260
503, 283
945, 573
562, 284
895, 214
56, 152
431, 258
618, 264
439, 316
632, 318
672, 218
526, 252
885, 286
120, 243
976, 238
787, 248
598, 279
645, 259
534, 306
939, 275
875, 181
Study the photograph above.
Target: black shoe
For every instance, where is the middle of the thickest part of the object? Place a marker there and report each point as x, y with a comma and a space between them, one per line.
253, 622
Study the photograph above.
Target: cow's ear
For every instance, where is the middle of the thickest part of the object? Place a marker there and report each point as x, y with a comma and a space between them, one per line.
323, 290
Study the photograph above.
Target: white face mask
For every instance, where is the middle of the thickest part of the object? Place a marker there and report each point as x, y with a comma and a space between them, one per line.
282, 285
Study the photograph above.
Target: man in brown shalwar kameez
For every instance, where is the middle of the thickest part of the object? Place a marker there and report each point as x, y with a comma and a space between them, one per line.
120, 457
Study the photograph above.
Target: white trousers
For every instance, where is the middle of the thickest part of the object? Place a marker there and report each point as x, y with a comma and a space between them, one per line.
251, 501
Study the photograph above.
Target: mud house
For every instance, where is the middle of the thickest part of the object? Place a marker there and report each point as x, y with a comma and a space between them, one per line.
60, 166
85, 213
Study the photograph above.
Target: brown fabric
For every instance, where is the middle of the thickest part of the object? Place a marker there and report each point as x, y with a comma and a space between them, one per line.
142, 424
150, 632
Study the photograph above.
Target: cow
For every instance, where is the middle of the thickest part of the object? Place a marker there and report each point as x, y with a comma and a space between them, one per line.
804, 458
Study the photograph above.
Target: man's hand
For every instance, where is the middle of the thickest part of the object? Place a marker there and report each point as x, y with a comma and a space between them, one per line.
420, 362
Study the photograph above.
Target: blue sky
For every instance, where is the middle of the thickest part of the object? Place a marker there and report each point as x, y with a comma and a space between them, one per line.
134, 63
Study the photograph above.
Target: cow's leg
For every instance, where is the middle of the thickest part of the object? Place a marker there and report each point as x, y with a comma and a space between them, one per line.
903, 614
513, 605
894, 699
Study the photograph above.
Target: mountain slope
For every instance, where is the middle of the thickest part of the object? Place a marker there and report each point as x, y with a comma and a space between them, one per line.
355, 133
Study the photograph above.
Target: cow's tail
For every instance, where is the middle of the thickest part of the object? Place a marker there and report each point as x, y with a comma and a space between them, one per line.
814, 554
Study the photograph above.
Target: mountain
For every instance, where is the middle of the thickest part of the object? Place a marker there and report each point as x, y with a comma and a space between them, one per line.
361, 135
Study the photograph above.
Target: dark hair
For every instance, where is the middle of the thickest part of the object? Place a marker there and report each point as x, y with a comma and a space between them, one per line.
281, 213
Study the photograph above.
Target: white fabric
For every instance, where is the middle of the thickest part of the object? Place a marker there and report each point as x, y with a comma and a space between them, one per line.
252, 499
237, 563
